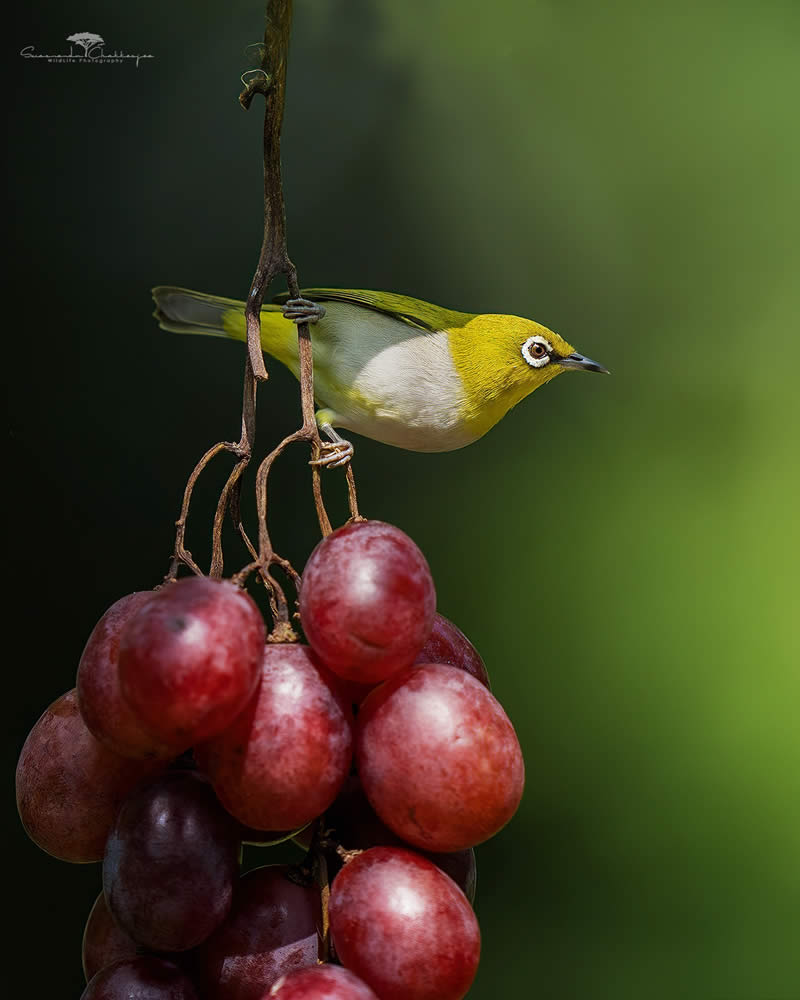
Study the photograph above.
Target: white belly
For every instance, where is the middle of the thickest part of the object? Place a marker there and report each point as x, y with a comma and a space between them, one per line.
406, 391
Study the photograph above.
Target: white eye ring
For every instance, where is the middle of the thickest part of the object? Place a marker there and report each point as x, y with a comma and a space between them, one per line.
526, 351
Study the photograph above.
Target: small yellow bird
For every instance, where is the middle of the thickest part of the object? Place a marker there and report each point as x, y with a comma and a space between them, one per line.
392, 368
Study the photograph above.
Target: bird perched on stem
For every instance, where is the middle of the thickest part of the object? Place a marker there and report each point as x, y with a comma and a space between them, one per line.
390, 367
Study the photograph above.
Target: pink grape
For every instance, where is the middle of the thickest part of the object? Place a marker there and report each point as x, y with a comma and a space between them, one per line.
104, 941
448, 644
367, 601
271, 930
322, 982
108, 716
171, 863
283, 760
403, 926
144, 978
438, 758
189, 659
69, 786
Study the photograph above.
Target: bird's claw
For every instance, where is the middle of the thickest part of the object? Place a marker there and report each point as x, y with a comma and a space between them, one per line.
334, 454
303, 311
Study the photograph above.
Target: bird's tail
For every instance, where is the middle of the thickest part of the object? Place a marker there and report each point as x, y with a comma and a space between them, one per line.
181, 310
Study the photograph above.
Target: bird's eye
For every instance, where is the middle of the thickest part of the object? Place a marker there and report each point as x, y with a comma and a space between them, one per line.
536, 351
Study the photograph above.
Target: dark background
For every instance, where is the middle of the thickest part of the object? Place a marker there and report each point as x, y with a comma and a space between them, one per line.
621, 550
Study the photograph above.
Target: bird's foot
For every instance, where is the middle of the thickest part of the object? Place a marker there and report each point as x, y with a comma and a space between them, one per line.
303, 311
336, 451
334, 454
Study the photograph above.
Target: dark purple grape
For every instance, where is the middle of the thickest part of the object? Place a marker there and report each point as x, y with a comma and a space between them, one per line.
104, 941
367, 601
189, 660
283, 760
460, 866
171, 863
107, 715
272, 929
404, 927
144, 978
69, 786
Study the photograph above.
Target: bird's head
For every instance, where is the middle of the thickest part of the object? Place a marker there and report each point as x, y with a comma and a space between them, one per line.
502, 359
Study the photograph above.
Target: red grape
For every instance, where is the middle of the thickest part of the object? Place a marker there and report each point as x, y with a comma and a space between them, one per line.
448, 644
271, 930
367, 600
283, 760
144, 978
69, 786
189, 659
171, 863
104, 941
108, 716
322, 982
438, 758
403, 926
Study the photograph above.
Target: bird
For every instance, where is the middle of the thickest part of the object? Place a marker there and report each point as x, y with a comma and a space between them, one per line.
390, 367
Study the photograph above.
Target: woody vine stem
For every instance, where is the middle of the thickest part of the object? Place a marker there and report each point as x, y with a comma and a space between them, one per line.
270, 81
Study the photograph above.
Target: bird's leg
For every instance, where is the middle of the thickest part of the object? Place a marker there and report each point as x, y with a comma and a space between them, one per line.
303, 311
335, 452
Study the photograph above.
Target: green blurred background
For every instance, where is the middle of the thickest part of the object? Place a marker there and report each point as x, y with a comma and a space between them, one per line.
623, 551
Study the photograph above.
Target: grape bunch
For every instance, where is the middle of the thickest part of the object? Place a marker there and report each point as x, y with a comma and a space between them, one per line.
376, 745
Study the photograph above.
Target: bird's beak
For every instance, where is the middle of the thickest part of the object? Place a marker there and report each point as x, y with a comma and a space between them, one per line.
579, 362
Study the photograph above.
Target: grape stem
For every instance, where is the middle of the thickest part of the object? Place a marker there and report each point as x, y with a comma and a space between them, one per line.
324, 851
270, 81
319, 867
346, 855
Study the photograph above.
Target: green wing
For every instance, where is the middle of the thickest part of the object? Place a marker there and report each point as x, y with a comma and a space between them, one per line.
415, 312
